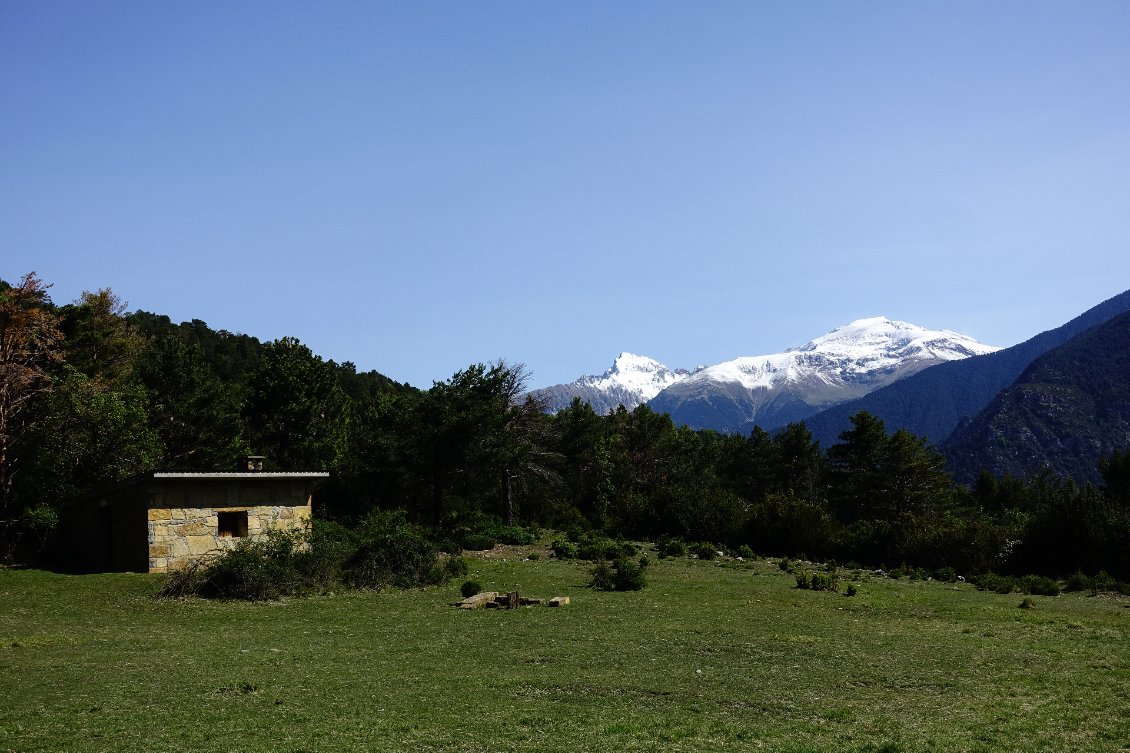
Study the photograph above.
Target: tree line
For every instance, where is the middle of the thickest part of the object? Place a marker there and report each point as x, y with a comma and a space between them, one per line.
91, 394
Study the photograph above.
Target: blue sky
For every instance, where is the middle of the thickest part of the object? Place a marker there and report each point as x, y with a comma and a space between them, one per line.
419, 186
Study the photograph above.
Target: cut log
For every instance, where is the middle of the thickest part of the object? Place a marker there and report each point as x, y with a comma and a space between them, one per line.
478, 600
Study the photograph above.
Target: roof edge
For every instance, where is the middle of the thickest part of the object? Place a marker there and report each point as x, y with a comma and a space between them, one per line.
239, 474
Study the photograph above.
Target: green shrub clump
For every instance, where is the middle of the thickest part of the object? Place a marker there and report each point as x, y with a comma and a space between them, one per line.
385, 550
622, 575
671, 546
1039, 585
564, 550
704, 550
470, 588
818, 581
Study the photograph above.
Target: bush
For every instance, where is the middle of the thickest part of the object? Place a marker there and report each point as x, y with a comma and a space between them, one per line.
1027, 603
1077, 581
564, 550
1001, 584
596, 546
746, 553
704, 550
470, 588
946, 575
1039, 585
262, 570
385, 550
391, 552
784, 565
448, 568
671, 547
480, 527
818, 581
622, 575
851, 590
479, 542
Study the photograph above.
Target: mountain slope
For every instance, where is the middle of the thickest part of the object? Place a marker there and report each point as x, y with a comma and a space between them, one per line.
773, 390
1069, 408
631, 381
933, 402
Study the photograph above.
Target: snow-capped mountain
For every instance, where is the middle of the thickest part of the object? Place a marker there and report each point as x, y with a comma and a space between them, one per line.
844, 364
631, 381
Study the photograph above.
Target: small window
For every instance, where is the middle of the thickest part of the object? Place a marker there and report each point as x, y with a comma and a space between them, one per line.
232, 524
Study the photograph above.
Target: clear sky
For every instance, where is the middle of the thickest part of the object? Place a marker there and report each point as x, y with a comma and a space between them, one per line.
419, 186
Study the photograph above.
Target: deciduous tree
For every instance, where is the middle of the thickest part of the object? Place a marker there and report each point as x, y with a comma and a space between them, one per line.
29, 346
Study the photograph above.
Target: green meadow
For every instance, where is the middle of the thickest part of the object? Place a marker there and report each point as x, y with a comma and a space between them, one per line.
708, 657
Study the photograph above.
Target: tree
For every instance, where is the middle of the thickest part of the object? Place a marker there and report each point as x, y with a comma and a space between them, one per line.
195, 414
520, 446
857, 467
296, 412
879, 477
1115, 471
100, 341
477, 435
83, 436
29, 346
798, 464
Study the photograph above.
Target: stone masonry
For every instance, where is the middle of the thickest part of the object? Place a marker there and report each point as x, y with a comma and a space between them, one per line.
179, 536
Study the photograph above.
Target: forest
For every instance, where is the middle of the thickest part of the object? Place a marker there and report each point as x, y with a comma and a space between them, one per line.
91, 393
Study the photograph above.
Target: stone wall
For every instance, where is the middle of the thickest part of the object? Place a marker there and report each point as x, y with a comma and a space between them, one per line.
183, 515
179, 536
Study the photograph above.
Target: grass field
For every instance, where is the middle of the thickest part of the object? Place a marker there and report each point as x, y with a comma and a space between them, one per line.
706, 658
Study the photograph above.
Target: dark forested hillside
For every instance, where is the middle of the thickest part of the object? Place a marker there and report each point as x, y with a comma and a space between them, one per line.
1068, 409
933, 402
92, 395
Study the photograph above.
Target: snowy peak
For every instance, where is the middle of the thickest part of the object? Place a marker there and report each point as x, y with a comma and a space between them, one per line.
639, 374
849, 354
846, 363
631, 381
866, 337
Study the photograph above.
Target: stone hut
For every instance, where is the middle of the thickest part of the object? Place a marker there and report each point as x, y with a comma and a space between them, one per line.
164, 521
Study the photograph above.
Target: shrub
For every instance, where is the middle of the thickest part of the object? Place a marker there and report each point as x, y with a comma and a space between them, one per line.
818, 581
391, 552
385, 550
946, 574
1077, 581
1040, 585
596, 546
1001, 584
704, 550
825, 582
479, 542
851, 590
1027, 603
671, 547
784, 565
746, 553
262, 570
602, 577
622, 575
564, 550
480, 527
448, 568
470, 588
